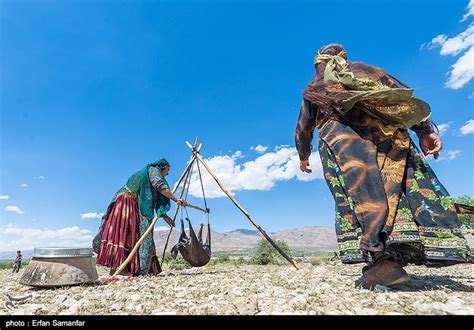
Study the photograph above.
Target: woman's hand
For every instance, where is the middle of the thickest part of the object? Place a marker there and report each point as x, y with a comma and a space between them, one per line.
304, 166
167, 193
431, 144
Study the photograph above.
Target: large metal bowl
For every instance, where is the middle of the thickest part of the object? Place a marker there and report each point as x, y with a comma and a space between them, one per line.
62, 252
60, 266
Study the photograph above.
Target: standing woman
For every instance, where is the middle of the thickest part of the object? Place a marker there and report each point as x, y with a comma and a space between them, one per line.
146, 194
391, 209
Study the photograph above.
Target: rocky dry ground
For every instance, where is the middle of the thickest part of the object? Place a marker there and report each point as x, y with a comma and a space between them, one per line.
250, 289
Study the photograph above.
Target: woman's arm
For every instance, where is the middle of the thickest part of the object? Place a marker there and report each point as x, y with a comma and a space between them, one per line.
167, 193
160, 185
304, 135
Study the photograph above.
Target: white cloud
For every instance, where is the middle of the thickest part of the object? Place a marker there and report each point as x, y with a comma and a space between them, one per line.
468, 127
462, 71
281, 146
448, 154
260, 174
24, 185
92, 215
41, 177
238, 154
470, 10
443, 128
14, 209
455, 45
453, 154
259, 148
4, 197
13, 238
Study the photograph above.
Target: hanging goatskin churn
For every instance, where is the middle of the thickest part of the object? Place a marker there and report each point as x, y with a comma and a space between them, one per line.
51, 267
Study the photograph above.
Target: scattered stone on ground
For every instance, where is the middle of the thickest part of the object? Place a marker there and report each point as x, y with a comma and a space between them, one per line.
327, 288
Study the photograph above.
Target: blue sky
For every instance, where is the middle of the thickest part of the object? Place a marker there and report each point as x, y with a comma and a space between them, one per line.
91, 91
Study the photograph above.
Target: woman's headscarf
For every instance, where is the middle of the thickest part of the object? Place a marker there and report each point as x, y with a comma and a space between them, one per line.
162, 203
161, 163
340, 84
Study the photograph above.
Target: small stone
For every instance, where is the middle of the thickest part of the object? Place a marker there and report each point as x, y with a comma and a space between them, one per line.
237, 293
69, 302
116, 307
380, 288
135, 297
72, 309
247, 306
130, 307
138, 308
158, 312
35, 309
180, 294
298, 301
60, 299
364, 311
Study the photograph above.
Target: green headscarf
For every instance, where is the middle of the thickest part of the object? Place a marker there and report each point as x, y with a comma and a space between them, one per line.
162, 162
148, 202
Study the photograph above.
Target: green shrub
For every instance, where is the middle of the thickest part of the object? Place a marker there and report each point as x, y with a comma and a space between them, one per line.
9, 264
226, 259
6, 264
167, 258
178, 264
240, 261
223, 258
320, 260
266, 254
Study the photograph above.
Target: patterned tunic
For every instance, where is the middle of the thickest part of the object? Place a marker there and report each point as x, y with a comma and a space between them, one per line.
387, 196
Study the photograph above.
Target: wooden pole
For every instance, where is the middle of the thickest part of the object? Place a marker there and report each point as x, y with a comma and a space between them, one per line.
188, 175
151, 226
198, 208
209, 170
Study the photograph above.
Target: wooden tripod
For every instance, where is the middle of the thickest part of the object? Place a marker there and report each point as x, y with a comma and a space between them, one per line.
187, 176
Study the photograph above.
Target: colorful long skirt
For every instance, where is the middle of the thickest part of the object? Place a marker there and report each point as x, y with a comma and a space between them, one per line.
119, 233
424, 227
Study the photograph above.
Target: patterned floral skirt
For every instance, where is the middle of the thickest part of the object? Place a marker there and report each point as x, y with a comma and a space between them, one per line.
425, 228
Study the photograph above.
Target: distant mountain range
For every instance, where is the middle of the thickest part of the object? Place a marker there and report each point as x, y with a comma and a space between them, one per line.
308, 239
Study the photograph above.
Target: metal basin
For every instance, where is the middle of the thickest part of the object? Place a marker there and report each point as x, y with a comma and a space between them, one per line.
59, 266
